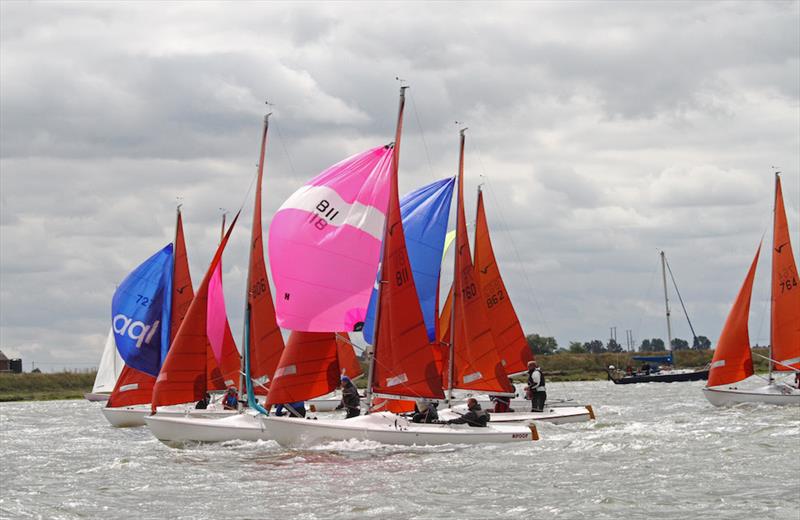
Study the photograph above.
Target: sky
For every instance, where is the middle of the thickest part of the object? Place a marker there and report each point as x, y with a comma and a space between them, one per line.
603, 132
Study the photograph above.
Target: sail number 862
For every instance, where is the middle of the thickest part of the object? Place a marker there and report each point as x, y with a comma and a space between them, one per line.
495, 298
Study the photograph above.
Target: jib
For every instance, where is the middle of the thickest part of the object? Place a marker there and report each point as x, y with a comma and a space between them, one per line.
136, 330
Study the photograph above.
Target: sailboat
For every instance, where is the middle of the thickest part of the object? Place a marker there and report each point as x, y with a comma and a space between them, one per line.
654, 374
486, 342
733, 363
111, 365
130, 400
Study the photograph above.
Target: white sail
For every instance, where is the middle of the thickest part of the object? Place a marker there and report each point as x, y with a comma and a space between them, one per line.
111, 364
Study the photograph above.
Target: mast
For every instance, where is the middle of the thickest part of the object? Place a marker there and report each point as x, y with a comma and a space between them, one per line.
772, 283
666, 301
382, 280
459, 213
245, 381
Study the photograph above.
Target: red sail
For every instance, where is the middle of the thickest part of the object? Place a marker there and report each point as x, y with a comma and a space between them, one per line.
183, 375
379, 404
133, 387
266, 341
403, 361
512, 347
182, 292
732, 360
441, 354
308, 368
785, 292
477, 365
348, 362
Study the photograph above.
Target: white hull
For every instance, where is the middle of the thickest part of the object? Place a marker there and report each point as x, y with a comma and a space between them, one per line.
175, 430
381, 427
131, 416
95, 397
388, 428
557, 415
771, 394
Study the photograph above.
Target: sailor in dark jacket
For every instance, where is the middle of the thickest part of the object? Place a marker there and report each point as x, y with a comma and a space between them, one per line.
474, 417
425, 412
351, 401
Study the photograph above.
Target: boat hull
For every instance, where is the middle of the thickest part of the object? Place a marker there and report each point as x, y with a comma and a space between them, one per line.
96, 397
781, 395
670, 377
175, 431
133, 416
382, 427
388, 428
557, 415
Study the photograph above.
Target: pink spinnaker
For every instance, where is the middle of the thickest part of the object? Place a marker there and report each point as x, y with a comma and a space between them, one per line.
216, 317
325, 241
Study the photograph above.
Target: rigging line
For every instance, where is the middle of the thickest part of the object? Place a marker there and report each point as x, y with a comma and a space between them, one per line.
421, 132
530, 293
646, 296
285, 150
680, 299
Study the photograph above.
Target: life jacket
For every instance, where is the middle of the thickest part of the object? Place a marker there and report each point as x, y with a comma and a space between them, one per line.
539, 388
483, 418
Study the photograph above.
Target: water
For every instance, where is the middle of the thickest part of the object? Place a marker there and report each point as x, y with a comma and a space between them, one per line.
656, 451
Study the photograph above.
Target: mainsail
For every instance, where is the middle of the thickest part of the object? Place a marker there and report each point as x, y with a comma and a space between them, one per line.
424, 212
476, 364
785, 292
265, 343
732, 360
348, 362
512, 346
403, 364
308, 368
111, 365
324, 244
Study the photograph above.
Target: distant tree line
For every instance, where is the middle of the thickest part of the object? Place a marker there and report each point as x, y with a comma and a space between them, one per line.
546, 345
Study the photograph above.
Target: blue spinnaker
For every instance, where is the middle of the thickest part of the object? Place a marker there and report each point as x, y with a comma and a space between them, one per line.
425, 212
140, 313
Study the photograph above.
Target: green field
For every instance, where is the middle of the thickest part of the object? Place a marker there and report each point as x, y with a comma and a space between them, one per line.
44, 387
557, 367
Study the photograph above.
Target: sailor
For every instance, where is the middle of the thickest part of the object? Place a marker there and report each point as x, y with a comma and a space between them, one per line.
351, 401
230, 401
475, 416
424, 412
295, 409
536, 389
202, 404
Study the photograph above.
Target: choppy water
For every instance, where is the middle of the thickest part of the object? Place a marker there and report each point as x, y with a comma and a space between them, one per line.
656, 451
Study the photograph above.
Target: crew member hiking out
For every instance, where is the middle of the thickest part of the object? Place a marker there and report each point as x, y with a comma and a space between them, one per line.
475, 416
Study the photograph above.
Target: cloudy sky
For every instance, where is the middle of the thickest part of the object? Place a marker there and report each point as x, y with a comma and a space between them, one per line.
603, 131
